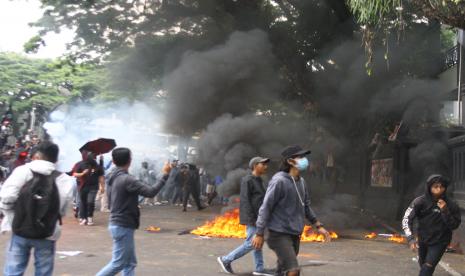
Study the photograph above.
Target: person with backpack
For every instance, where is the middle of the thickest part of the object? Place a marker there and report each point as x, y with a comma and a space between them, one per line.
123, 191
34, 199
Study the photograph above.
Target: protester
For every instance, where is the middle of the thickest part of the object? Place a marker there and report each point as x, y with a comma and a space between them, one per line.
190, 186
123, 190
55, 188
251, 198
437, 216
285, 206
91, 179
102, 195
175, 184
144, 176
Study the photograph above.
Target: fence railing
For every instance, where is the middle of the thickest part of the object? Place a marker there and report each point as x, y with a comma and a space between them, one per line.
451, 58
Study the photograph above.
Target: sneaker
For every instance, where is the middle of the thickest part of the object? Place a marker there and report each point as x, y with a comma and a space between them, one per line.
90, 221
82, 222
158, 203
189, 206
224, 266
265, 272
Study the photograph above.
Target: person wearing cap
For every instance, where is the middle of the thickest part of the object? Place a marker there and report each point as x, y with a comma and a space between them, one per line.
251, 198
285, 206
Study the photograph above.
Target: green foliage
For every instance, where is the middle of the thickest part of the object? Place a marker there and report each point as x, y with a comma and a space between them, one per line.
26, 82
372, 12
448, 38
33, 45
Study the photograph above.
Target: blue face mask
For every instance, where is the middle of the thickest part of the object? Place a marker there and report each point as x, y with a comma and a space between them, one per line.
302, 164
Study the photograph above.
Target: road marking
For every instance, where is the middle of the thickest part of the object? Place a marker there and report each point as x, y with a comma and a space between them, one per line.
445, 266
449, 269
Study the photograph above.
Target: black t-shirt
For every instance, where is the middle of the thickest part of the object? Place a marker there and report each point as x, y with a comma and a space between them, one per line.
90, 180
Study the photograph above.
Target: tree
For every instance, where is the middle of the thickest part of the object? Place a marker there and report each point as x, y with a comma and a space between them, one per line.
372, 12
44, 83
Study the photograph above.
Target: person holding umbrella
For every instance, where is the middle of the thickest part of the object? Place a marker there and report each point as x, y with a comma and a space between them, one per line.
90, 178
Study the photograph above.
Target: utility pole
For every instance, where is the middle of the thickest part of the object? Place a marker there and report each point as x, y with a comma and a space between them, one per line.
460, 44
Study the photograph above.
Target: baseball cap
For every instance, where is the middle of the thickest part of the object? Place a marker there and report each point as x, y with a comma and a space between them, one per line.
294, 151
254, 161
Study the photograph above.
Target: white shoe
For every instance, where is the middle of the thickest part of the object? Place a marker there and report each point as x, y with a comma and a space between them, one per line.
82, 221
189, 206
90, 221
158, 203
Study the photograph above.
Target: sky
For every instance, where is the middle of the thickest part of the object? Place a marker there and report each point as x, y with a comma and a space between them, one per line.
15, 31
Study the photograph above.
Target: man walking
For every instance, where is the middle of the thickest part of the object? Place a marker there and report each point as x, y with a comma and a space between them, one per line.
286, 204
38, 185
191, 186
123, 191
251, 198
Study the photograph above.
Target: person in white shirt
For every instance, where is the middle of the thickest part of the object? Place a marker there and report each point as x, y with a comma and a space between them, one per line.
44, 157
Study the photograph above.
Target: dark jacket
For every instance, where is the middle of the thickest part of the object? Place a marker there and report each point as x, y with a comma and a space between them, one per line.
123, 191
434, 225
285, 206
252, 193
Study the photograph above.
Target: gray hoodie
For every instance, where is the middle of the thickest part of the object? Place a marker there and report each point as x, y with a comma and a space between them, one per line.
285, 206
123, 191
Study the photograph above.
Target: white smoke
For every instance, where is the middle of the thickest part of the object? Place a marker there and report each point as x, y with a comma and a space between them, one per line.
136, 126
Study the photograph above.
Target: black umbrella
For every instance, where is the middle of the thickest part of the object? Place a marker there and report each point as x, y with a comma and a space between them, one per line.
99, 146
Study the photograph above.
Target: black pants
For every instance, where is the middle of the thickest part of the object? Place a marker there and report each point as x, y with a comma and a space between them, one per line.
87, 204
286, 247
177, 195
429, 257
195, 194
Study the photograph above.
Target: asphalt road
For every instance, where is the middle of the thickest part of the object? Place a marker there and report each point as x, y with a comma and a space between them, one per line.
167, 253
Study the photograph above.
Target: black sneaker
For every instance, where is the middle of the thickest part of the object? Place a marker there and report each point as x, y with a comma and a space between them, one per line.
226, 267
265, 272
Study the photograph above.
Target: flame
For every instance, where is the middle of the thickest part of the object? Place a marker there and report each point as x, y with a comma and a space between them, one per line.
392, 237
309, 235
152, 229
398, 239
227, 226
372, 235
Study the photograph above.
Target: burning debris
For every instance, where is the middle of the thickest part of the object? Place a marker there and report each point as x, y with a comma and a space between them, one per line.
391, 237
227, 226
153, 229
370, 236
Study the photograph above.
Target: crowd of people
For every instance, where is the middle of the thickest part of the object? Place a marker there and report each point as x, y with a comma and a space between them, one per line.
15, 151
35, 196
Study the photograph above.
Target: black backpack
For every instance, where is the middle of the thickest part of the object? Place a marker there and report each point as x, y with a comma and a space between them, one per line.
37, 209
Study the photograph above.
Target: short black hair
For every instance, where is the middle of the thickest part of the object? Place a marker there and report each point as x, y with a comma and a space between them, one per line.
285, 166
48, 150
121, 156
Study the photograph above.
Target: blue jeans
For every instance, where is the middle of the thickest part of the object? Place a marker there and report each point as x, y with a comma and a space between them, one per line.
19, 250
245, 248
124, 252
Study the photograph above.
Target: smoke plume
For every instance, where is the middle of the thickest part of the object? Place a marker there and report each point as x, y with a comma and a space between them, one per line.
132, 125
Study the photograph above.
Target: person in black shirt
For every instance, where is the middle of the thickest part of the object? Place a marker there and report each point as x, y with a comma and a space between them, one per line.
90, 178
437, 215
